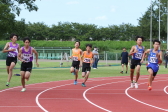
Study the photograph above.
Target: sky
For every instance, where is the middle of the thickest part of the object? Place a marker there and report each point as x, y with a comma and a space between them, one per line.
99, 12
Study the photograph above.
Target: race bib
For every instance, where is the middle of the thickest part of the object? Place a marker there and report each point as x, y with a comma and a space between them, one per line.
26, 59
138, 55
152, 60
86, 60
75, 58
11, 54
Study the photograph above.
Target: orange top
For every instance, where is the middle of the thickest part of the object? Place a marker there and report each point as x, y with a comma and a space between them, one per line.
76, 54
87, 57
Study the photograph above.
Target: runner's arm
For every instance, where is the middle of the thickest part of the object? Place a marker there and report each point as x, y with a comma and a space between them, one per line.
144, 55
36, 54
160, 57
132, 51
20, 54
6, 47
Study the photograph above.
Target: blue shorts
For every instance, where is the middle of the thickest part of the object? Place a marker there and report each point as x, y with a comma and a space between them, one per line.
154, 67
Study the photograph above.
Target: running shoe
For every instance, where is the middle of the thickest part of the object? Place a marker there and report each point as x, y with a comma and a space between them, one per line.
121, 72
23, 90
83, 84
136, 85
75, 82
7, 84
132, 85
149, 88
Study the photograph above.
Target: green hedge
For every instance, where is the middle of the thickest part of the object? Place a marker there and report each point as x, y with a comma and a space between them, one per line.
102, 45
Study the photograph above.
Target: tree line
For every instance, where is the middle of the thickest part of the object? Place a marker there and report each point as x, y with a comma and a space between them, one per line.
84, 32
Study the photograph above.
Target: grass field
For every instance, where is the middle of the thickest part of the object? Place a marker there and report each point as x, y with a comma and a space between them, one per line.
50, 71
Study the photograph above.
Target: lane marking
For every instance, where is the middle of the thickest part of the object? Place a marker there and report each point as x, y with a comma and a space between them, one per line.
165, 89
84, 94
126, 92
18, 106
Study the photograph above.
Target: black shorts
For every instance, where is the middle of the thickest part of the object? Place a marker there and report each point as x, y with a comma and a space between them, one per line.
154, 73
124, 62
134, 63
86, 67
75, 64
27, 66
9, 60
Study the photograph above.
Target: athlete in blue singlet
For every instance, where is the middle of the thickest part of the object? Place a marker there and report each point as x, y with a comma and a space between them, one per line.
154, 59
137, 53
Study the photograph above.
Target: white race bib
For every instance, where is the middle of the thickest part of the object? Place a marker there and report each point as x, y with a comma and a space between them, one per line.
86, 60
138, 55
153, 59
75, 58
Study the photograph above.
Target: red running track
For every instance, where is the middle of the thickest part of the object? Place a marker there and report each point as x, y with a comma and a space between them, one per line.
108, 94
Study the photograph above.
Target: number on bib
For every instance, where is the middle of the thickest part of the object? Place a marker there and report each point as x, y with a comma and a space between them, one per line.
152, 59
86, 60
138, 55
75, 58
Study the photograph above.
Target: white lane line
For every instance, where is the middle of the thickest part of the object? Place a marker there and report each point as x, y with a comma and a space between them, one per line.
18, 106
61, 98
84, 94
106, 93
126, 92
165, 89
37, 97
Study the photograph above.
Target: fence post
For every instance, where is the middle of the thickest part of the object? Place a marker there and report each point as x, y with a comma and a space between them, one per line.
106, 58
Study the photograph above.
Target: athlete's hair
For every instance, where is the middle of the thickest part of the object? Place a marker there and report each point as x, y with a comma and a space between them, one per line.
26, 38
136, 38
124, 48
156, 41
78, 42
12, 35
89, 45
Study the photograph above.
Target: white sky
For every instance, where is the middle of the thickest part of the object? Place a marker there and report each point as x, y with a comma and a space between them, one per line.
98, 12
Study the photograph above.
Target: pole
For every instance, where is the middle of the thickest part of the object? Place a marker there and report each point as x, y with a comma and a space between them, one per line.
159, 20
167, 24
151, 27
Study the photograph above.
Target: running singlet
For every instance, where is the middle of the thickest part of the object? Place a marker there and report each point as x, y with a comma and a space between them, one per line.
76, 54
27, 56
87, 57
12, 53
152, 59
138, 55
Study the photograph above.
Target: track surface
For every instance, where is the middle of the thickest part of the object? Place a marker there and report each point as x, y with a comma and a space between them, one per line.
108, 94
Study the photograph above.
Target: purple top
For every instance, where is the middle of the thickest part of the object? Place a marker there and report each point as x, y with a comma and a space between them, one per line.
13, 53
27, 56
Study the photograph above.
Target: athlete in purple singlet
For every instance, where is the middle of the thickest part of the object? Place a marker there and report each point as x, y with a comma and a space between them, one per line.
26, 57
11, 48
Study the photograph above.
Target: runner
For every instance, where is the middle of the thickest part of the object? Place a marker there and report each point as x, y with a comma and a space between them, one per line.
87, 58
137, 53
12, 49
76, 57
154, 58
26, 57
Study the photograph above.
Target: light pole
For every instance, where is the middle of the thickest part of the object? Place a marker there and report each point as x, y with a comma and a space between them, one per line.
151, 27
159, 20
167, 24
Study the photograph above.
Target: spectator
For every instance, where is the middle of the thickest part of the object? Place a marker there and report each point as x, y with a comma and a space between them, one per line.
124, 60
96, 57
166, 58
